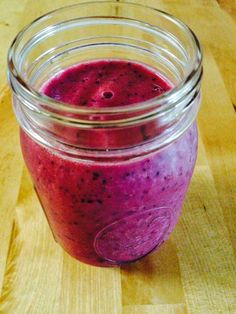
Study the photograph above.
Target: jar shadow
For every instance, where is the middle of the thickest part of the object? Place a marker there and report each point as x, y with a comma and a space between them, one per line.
160, 258
153, 279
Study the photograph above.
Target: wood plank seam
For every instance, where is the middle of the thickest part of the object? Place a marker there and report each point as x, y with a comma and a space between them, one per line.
9, 274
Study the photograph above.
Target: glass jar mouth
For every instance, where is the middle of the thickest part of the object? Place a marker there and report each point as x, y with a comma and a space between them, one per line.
165, 101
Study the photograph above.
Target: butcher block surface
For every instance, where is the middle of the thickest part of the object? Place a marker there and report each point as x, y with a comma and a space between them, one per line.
195, 270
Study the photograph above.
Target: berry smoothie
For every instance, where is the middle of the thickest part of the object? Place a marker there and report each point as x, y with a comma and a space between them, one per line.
114, 212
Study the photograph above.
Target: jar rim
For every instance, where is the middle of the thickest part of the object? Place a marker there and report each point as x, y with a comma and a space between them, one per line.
165, 100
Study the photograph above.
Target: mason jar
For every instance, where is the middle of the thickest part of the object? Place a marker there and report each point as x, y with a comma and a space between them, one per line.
111, 180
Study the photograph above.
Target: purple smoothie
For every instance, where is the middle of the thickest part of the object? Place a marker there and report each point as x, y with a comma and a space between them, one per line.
109, 213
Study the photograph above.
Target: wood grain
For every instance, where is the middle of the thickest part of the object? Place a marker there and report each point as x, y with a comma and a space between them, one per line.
205, 252
155, 309
193, 272
229, 6
10, 169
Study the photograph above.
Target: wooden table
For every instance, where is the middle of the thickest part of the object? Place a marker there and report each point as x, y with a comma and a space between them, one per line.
194, 272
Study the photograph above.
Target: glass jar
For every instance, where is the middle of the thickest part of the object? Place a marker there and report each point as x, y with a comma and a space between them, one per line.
110, 180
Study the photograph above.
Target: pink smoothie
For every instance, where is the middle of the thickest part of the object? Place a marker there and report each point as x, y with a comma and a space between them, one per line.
109, 213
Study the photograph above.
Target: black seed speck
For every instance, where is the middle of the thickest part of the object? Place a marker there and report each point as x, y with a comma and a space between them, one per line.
157, 173
89, 201
97, 82
82, 200
144, 132
99, 201
96, 175
163, 189
104, 181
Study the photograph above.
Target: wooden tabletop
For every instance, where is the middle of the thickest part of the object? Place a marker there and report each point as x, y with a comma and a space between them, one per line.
193, 272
